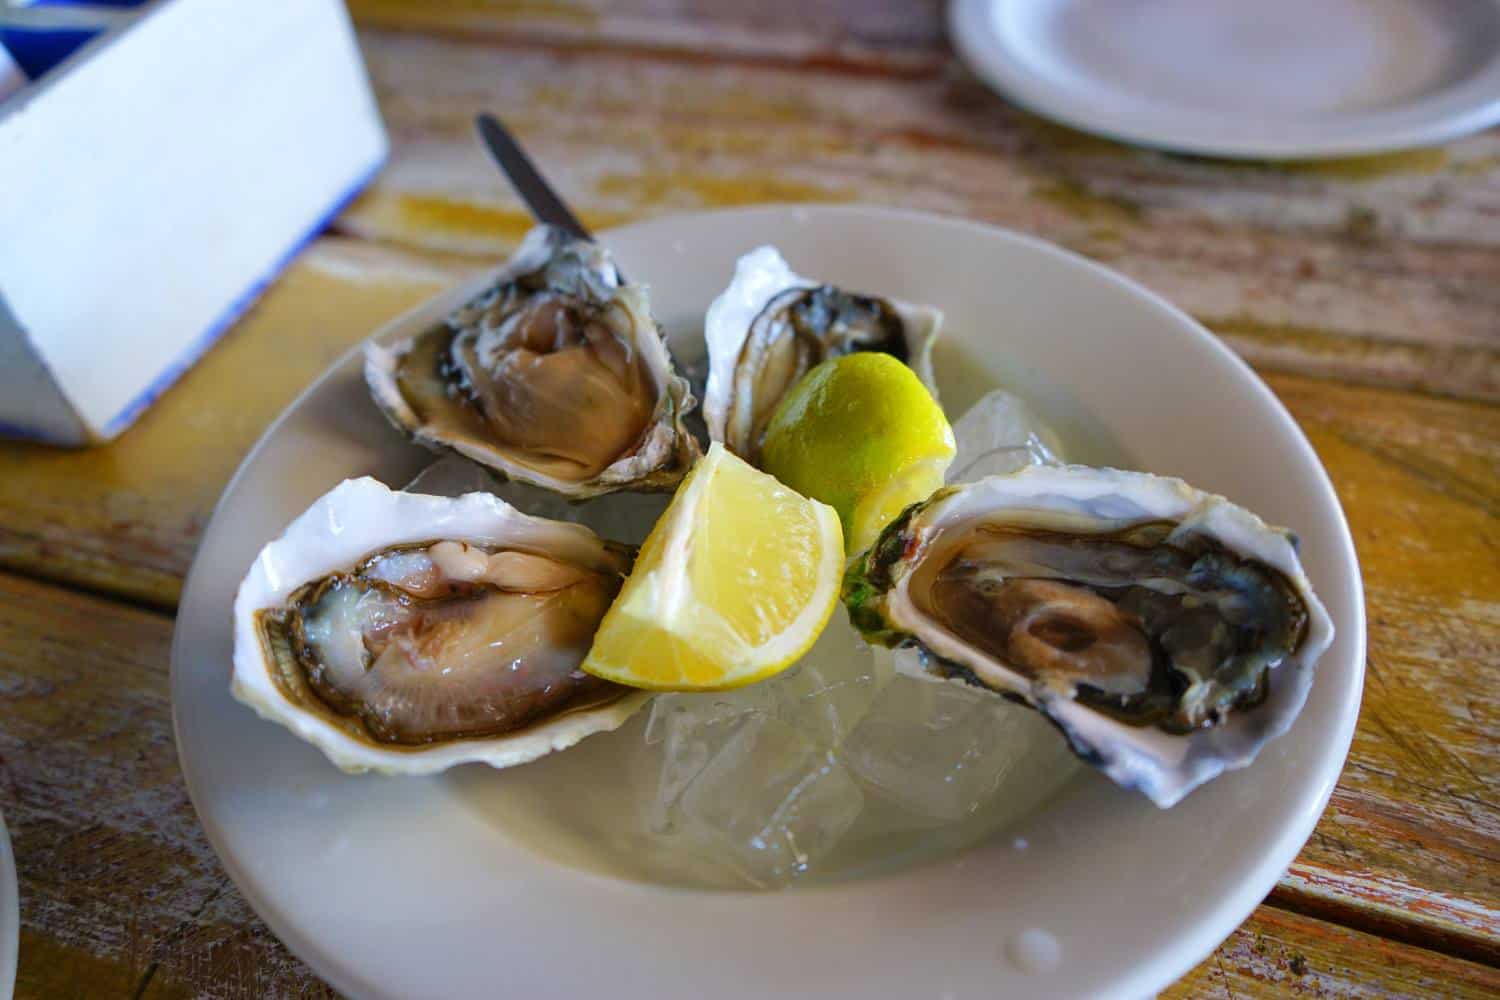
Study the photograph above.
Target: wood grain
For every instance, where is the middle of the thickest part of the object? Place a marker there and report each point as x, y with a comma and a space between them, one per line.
1276, 953
122, 895
1412, 836
887, 36
1380, 270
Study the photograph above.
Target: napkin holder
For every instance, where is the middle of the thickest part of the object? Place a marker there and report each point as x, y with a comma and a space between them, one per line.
158, 167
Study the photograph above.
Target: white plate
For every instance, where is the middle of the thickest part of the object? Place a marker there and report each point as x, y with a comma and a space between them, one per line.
1273, 79
395, 887
10, 914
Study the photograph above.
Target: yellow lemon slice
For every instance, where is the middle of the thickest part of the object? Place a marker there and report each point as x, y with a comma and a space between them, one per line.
862, 433
733, 585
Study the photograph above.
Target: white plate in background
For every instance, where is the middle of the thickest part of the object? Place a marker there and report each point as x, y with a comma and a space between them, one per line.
1270, 79
396, 887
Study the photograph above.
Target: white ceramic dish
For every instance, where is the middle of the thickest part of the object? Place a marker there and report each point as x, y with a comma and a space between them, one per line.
10, 914
1275, 79
421, 887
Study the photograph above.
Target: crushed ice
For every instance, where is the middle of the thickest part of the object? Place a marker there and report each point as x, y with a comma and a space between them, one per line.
997, 435
768, 779
759, 784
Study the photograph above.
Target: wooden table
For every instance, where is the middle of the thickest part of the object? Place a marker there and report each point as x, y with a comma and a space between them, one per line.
1366, 292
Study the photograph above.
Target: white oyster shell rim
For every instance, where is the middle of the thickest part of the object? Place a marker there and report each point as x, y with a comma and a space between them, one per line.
1163, 766
759, 276
361, 516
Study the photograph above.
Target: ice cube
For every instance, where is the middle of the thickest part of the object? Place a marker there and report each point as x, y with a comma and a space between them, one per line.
997, 435
825, 695
822, 698
768, 803
941, 750
452, 476
671, 713
691, 733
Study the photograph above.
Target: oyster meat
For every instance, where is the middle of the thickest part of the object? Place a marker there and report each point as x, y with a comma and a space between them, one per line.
770, 326
406, 633
1167, 632
557, 375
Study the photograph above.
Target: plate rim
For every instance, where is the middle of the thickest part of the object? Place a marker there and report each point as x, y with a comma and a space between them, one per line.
977, 42
1150, 975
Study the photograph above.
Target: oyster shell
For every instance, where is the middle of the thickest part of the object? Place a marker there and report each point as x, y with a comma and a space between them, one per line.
407, 633
770, 326
1167, 632
557, 375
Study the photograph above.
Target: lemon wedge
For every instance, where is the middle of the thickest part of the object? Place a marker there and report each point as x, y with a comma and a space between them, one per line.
734, 583
862, 433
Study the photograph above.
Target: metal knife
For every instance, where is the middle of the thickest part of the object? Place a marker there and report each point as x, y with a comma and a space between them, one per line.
524, 177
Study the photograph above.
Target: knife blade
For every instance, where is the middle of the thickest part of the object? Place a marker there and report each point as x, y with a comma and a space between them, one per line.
525, 179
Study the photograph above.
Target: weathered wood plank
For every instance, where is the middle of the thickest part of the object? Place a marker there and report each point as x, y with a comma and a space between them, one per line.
122, 896
1276, 953
120, 891
1383, 270
885, 36
1412, 835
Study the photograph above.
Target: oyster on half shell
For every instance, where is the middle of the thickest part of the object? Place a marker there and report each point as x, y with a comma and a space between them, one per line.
557, 375
1167, 632
770, 326
406, 633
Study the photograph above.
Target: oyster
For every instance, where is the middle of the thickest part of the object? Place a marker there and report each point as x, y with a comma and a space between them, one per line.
556, 375
770, 326
406, 633
1167, 632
